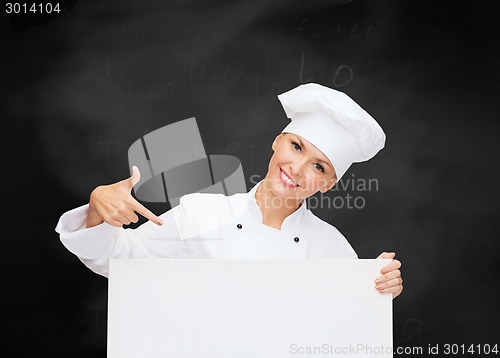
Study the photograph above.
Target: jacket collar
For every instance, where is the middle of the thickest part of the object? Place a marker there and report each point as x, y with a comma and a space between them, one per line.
291, 222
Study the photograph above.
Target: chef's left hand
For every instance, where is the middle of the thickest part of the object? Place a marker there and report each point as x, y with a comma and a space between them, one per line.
390, 281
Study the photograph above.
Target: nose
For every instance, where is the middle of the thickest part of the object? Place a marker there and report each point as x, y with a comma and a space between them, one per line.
297, 167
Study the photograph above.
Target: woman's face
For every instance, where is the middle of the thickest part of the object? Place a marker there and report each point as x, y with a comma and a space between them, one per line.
298, 169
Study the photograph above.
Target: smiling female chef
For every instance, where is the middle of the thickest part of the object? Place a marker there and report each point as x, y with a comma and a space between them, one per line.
327, 133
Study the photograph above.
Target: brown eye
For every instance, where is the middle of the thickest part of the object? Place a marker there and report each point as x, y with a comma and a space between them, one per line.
296, 146
320, 168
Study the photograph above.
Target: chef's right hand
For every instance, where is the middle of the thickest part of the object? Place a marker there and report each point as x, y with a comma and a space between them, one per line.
115, 205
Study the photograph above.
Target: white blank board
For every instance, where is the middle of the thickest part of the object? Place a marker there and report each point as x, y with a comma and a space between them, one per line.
216, 308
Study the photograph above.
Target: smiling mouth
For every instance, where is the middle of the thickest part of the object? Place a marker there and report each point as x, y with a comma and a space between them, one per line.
287, 180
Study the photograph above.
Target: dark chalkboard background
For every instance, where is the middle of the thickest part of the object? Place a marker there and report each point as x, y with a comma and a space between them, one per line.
77, 89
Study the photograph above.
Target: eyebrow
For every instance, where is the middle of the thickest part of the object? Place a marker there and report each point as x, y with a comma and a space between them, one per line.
302, 145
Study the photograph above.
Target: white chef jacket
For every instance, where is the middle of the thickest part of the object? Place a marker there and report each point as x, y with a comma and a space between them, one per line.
205, 226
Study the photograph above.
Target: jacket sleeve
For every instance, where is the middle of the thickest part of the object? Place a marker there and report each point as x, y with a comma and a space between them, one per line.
95, 246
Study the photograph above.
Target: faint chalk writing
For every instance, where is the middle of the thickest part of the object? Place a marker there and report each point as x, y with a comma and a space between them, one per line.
411, 328
342, 75
110, 142
337, 31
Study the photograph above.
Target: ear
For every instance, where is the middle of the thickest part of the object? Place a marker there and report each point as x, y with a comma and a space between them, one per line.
277, 140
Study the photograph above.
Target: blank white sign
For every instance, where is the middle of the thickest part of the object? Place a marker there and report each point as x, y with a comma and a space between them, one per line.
212, 308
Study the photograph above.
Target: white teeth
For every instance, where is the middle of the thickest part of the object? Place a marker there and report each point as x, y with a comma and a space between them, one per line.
287, 179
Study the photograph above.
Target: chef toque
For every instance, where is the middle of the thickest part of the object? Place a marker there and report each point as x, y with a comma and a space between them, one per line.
334, 123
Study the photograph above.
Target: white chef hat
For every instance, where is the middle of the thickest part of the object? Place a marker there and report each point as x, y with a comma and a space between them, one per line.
334, 123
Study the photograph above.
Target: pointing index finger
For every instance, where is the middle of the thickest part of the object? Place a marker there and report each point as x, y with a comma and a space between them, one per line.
141, 209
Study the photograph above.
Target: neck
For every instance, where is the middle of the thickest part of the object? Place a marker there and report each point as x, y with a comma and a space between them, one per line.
273, 208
